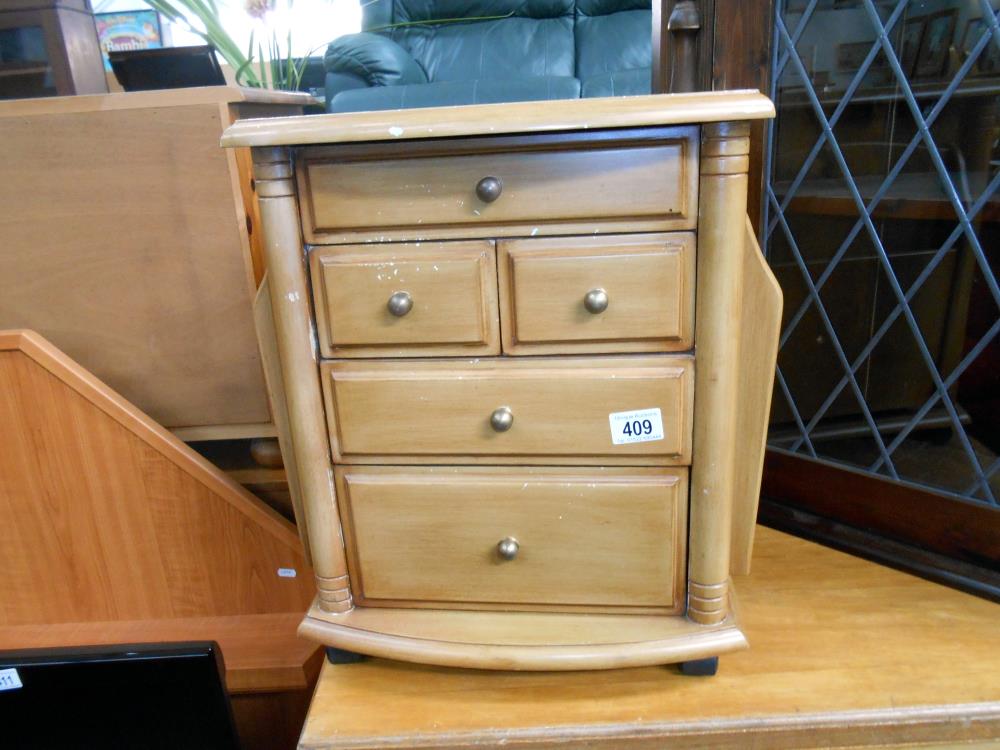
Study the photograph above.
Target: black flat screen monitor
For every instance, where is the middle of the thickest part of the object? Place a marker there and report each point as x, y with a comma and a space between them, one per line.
163, 695
166, 68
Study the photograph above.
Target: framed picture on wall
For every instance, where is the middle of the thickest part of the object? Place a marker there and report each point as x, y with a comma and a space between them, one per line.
939, 33
988, 62
850, 55
909, 43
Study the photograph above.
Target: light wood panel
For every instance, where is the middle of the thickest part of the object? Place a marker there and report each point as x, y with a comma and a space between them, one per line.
241, 171
521, 117
109, 517
845, 653
649, 280
224, 432
759, 332
159, 98
267, 340
452, 287
366, 189
602, 538
124, 242
440, 410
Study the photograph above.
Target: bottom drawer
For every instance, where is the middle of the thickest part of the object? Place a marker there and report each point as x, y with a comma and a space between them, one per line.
508, 538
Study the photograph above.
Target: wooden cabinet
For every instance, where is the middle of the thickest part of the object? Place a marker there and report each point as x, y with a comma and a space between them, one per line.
130, 240
466, 501
49, 48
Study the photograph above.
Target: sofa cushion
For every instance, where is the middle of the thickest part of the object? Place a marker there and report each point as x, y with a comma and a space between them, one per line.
511, 48
612, 35
375, 14
447, 93
409, 11
633, 82
521, 38
373, 58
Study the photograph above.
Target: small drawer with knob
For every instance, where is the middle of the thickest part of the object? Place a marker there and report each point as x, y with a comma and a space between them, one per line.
525, 537
626, 293
645, 179
406, 299
510, 410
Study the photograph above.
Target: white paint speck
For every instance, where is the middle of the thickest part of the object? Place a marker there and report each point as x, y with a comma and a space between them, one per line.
395, 131
292, 296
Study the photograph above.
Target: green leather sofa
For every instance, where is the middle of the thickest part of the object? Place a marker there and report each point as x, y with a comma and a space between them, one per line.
414, 53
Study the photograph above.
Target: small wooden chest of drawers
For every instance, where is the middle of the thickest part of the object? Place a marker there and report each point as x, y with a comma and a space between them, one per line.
521, 359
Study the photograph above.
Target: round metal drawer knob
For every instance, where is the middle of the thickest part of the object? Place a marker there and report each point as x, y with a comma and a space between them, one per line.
400, 303
596, 301
488, 189
502, 419
507, 548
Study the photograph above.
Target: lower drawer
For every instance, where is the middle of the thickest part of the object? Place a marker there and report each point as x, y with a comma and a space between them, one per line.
504, 537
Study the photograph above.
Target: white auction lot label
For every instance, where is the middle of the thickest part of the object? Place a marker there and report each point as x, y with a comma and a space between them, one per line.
10, 680
639, 426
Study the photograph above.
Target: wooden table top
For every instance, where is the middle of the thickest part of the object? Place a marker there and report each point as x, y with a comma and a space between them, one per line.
159, 98
842, 652
262, 653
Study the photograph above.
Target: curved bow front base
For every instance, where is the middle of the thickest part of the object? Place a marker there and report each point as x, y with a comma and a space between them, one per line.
529, 641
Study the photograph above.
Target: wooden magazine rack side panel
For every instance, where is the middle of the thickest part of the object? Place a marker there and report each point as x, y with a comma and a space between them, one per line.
263, 317
107, 516
758, 346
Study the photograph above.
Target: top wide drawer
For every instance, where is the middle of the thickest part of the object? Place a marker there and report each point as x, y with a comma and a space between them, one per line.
643, 180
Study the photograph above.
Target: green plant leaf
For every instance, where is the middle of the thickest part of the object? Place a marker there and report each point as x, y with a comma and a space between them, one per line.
438, 21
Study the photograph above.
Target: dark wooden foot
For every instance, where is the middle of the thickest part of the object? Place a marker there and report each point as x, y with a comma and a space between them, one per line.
339, 656
700, 667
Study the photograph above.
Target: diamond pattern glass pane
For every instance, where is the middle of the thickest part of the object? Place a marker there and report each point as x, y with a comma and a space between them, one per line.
882, 224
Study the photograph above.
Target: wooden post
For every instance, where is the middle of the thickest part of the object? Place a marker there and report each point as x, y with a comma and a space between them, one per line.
721, 221
273, 173
683, 26
660, 74
682, 46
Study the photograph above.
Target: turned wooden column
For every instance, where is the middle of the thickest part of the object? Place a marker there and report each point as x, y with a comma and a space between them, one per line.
721, 223
285, 255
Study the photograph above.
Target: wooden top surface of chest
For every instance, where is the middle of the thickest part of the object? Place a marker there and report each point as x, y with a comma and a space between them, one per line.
494, 119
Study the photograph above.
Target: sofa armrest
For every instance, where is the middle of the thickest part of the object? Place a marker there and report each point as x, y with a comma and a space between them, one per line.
373, 60
337, 83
